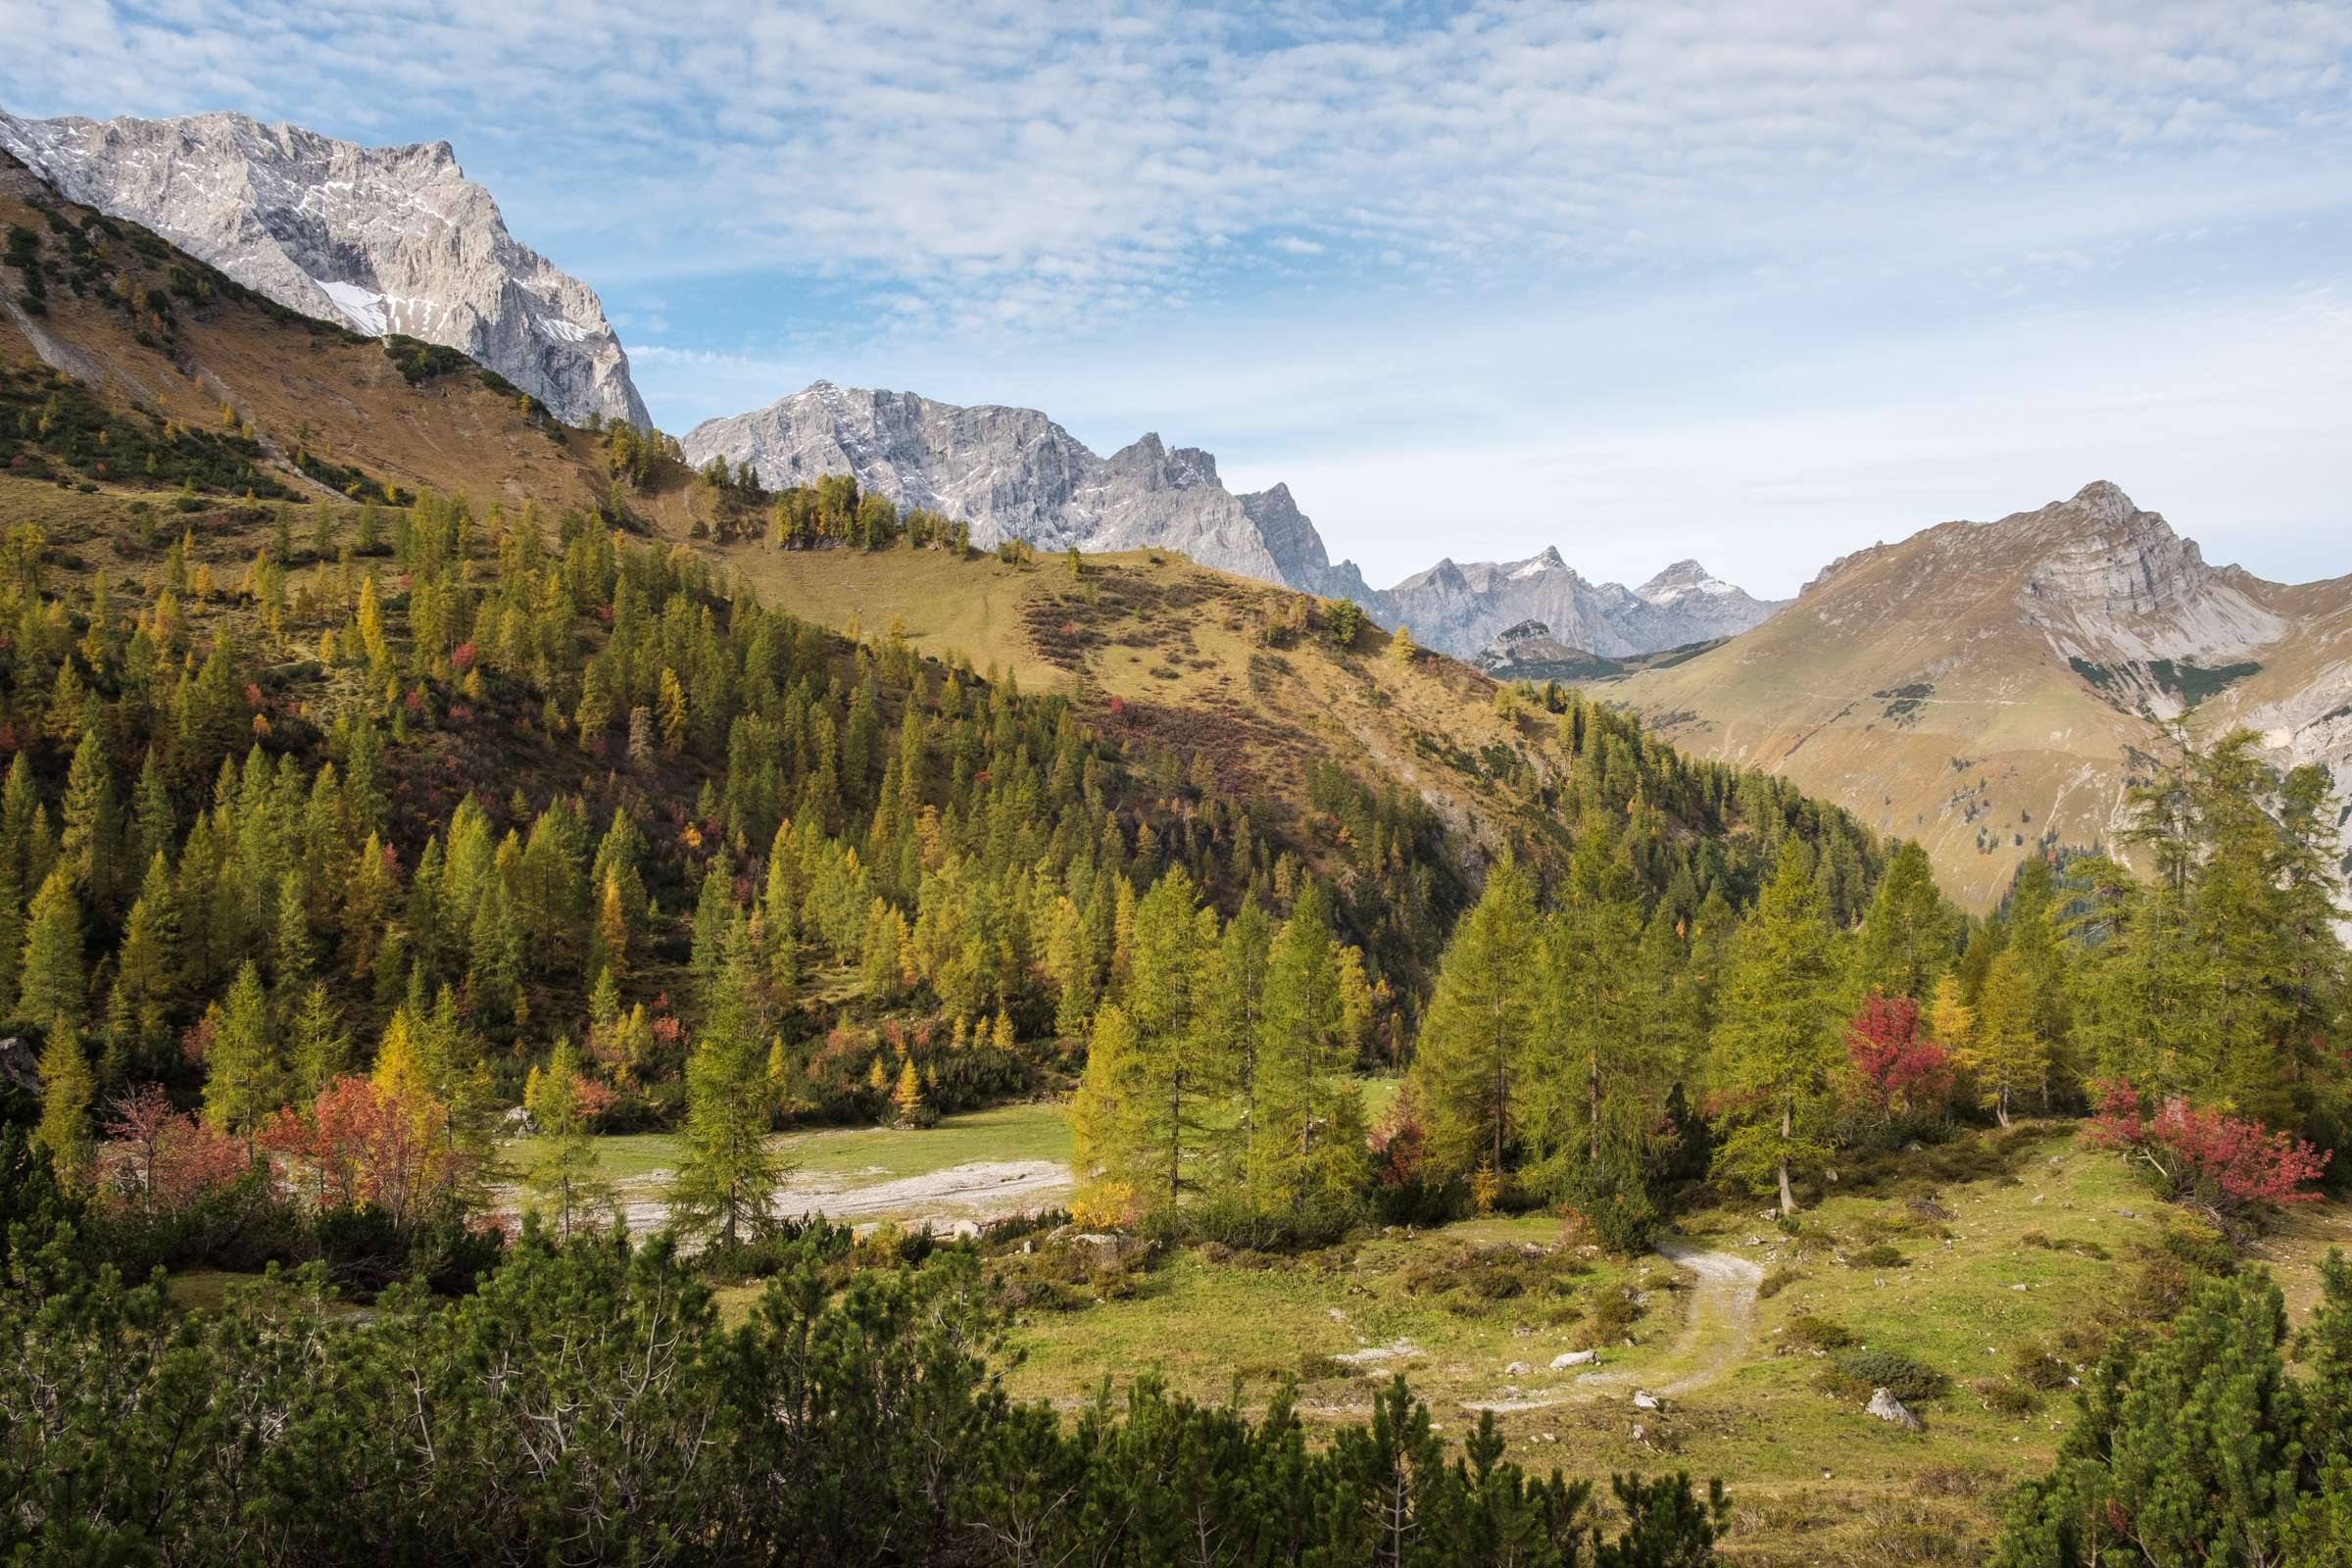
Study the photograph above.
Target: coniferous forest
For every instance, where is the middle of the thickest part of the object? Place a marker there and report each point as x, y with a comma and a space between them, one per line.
325, 867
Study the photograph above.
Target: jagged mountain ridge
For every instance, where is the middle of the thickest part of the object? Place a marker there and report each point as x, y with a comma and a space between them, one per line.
1990, 688
1467, 610
1014, 473
386, 239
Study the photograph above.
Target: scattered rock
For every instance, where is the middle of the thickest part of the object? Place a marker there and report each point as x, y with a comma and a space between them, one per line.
1374, 1354
2126, 1213
1644, 1399
1517, 1369
2020, 1287
1887, 1407
1562, 1362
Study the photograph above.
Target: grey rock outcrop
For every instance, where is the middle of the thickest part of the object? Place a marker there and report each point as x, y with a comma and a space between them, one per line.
1014, 474
1891, 1410
20, 1066
384, 240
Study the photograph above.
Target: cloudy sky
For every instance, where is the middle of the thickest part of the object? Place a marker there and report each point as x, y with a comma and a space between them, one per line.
1757, 283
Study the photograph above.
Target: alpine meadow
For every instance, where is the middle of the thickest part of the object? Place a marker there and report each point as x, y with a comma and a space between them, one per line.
864, 982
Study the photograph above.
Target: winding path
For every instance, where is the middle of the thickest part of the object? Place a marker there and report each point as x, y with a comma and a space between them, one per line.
1721, 1331
1719, 1336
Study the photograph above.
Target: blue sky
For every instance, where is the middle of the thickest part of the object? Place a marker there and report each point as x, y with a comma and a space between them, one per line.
1759, 283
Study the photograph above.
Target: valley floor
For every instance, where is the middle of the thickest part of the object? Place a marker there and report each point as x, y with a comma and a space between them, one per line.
1954, 1257
987, 1164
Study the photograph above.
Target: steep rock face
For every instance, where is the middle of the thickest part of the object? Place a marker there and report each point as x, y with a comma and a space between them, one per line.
1015, 473
1990, 688
2118, 582
1464, 610
386, 239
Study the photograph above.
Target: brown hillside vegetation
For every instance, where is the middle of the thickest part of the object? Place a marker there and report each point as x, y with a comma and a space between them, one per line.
1203, 660
147, 329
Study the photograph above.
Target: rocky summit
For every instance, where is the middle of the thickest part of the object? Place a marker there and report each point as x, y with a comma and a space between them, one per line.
1015, 473
1467, 610
386, 239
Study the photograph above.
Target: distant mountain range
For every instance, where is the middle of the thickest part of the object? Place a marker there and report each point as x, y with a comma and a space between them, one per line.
1014, 473
1993, 688
384, 240
397, 240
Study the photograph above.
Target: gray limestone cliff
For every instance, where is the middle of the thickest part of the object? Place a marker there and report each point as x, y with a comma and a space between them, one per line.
384, 240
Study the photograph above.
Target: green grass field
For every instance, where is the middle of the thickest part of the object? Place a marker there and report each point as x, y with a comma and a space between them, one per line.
1035, 1131
1202, 1324
1814, 1479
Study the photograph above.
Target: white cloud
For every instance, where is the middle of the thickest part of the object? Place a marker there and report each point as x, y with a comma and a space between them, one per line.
1643, 277
972, 154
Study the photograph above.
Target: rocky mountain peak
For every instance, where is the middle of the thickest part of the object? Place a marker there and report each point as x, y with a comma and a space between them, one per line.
384, 239
1682, 579
1014, 474
1470, 609
2105, 501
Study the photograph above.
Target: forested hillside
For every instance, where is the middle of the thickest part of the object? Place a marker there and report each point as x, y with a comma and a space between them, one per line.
382, 828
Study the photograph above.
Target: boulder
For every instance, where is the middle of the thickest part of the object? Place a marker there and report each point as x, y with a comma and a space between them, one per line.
1561, 1363
1887, 1407
1644, 1399
1517, 1369
517, 1123
20, 1066
1106, 1249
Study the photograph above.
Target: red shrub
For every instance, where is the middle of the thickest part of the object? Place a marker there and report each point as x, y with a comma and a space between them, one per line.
157, 1158
1902, 1074
595, 1098
361, 1143
2231, 1167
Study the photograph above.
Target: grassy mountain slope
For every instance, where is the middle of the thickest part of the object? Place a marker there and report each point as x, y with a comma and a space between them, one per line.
1990, 689
1181, 653
150, 335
